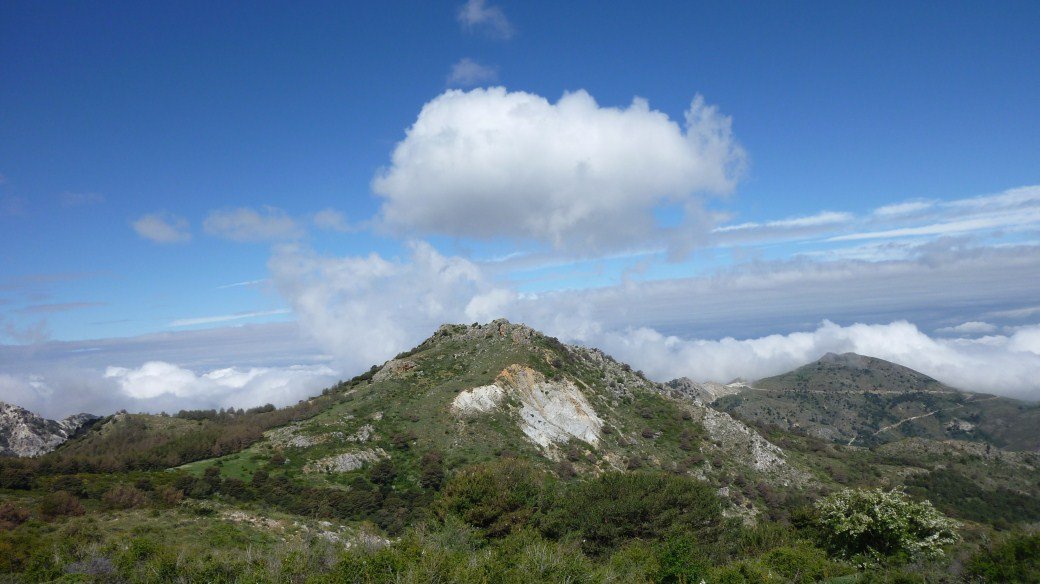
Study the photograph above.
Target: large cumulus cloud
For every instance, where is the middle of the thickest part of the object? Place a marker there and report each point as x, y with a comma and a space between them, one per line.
491, 163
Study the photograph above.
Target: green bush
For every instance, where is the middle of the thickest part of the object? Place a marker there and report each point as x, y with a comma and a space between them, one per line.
878, 523
607, 510
59, 504
497, 496
1016, 558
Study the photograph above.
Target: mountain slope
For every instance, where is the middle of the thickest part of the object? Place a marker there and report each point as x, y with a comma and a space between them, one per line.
862, 400
23, 433
470, 394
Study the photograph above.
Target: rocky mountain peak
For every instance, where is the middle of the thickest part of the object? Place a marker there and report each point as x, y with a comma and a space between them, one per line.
24, 433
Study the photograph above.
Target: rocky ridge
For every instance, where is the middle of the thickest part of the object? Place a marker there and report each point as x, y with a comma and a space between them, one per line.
23, 433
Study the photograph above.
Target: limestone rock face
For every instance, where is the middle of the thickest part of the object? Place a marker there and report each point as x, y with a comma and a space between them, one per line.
23, 433
478, 400
550, 412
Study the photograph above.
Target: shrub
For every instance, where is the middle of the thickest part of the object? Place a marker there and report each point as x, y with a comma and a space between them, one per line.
59, 504
12, 516
607, 510
124, 496
681, 561
1016, 558
169, 496
432, 470
70, 484
496, 496
876, 523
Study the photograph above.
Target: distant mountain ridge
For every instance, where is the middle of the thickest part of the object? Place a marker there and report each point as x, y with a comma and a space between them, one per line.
860, 400
24, 433
854, 372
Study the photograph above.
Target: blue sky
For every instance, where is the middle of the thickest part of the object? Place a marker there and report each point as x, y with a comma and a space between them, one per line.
170, 168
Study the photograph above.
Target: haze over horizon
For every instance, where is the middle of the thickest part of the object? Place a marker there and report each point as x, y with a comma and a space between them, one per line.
224, 206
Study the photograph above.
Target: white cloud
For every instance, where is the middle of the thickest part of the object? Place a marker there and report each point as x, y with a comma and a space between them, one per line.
1021, 197
227, 317
156, 386
365, 310
489, 163
821, 218
904, 208
331, 220
467, 73
477, 15
244, 283
163, 227
1004, 365
998, 220
247, 225
973, 327
227, 387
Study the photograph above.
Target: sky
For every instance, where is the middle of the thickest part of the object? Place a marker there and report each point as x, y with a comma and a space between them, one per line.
224, 205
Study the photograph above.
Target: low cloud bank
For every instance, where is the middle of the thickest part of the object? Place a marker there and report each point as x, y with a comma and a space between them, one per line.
160, 386
1001, 364
364, 310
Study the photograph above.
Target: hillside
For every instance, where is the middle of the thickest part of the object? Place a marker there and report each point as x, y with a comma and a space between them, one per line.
861, 400
471, 394
489, 453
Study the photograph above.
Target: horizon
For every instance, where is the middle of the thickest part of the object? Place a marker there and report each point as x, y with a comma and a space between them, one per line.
225, 206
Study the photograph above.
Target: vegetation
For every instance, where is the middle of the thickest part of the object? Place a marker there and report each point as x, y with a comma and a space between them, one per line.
378, 480
876, 523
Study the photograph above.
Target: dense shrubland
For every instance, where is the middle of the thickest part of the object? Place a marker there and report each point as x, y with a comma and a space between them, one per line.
508, 521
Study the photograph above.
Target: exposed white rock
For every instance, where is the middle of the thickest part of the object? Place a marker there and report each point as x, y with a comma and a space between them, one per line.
290, 437
23, 433
346, 461
364, 434
705, 392
550, 411
764, 455
478, 400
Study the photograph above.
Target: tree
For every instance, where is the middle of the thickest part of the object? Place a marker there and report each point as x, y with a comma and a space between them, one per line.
877, 523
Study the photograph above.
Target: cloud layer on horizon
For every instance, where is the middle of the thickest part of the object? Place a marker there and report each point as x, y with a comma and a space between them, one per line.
157, 386
363, 310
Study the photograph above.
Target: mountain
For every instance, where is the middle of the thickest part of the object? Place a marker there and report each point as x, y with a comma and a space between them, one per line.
861, 400
23, 433
492, 450
474, 393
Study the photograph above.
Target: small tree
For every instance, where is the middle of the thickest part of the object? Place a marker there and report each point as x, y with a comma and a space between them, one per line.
877, 523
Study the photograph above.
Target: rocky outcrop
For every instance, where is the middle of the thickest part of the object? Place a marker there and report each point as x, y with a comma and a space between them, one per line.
346, 461
23, 433
478, 400
550, 412
705, 392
